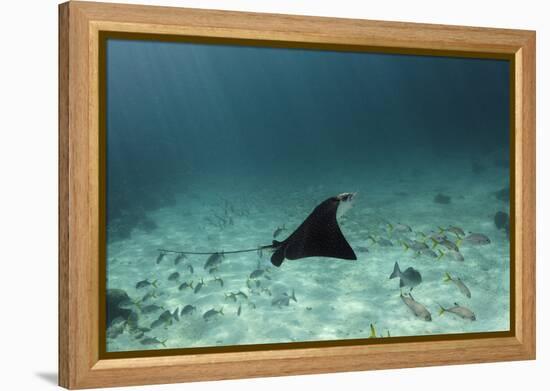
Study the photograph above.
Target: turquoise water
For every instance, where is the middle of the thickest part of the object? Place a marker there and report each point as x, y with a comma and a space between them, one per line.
212, 148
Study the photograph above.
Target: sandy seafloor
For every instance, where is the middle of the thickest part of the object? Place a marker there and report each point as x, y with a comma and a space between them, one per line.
336, 299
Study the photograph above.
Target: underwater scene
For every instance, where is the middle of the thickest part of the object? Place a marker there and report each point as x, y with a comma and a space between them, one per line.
260, 195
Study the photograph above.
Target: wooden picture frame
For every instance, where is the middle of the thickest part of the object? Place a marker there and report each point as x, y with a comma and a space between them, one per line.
81, 24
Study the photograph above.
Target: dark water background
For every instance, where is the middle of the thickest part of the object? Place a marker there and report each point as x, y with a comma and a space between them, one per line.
179, 112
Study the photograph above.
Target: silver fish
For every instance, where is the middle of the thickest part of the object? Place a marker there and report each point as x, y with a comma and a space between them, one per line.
211, 314
410, 277
362, 249
458, 310
127, 303
199, 286
176, 314
186, 285
145, 283
438, 237
115, 330
400, 228
157, 323
174, 276
418, 309
449, 245
148, 296
188, 309
459, 232
148, 309
139, 335
284, 299
166, 315
381, 241
179, 258
415, 245
231, 295
460, 284
477, 239
213, 260
160, 257
429, 253
281, 301
152, 341
278, 231
244, 296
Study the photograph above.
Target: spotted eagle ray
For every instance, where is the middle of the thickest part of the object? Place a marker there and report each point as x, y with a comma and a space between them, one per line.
318, 236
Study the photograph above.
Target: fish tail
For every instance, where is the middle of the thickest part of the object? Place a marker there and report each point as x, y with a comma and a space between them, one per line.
396, 272
405, 245
441, 309
435, 243
293, 296
447, 277
371, 238
372, 331
458, 242
154, 283
441, 230
441, 253
163, 343
390, 226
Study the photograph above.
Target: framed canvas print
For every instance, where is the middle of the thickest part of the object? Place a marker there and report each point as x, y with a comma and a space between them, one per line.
251, 195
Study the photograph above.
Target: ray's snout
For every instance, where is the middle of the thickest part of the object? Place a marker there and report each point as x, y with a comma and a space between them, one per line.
346, 197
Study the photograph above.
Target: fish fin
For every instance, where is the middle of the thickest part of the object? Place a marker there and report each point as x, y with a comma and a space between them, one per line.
278, 257
293, 296
447, 277
396, 272
372, 331
411, 296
